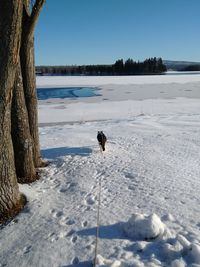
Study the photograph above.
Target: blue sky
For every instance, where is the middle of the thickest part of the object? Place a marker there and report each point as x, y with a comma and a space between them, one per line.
76, 32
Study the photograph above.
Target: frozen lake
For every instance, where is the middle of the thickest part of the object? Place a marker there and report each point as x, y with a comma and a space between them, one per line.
68, 92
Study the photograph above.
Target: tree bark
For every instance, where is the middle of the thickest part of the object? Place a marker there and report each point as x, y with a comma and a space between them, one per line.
28, 73
10, 32
22, 141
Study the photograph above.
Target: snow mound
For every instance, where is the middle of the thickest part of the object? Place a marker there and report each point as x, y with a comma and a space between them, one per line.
153, 245
144, 227
195, 253
102, 262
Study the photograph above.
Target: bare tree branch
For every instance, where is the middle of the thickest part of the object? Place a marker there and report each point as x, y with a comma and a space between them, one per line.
32, 3
33, 18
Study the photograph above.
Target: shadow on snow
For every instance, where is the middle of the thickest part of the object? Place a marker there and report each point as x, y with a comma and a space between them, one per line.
113, 231
53, 153
80, 264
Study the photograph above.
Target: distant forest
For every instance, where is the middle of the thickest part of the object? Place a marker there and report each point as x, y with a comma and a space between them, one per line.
129, 67
191, 68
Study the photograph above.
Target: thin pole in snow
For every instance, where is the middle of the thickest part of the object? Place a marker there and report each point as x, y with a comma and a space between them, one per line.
98, 220
98, 216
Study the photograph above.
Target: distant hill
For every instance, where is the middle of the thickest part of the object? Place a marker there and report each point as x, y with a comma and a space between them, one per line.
179, 65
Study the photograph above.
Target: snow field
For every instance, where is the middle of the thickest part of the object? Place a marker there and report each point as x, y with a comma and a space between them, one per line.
61, 81
149, 173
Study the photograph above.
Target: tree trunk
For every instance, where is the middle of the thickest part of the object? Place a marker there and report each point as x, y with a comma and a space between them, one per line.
28, 73
22, 141
10, 32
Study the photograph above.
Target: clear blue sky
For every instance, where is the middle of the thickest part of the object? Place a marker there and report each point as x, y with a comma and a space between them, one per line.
80, 32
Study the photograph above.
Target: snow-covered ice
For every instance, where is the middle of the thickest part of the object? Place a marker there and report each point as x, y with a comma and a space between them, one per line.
149, 174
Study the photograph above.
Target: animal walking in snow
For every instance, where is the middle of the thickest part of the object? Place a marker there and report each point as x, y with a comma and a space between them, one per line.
101, 139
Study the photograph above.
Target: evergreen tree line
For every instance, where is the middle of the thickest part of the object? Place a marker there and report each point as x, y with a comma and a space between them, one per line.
129, 67
194, 67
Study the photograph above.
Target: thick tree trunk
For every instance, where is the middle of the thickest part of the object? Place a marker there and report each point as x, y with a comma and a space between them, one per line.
29, 83
10, 32
28, 74
22, 141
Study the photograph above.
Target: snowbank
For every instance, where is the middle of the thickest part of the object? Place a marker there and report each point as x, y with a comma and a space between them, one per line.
154, 245
144, 227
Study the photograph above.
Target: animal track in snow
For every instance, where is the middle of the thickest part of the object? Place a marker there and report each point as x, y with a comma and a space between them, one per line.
70, 186
90, 199
62, 189
70, 222
26, 249
85, 223
129, 175
131, 187
71, 232
74, 239
86, 208
56, 214
89, 247
50, 235
64, 221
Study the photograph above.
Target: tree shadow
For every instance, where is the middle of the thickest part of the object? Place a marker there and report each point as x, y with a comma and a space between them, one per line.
113, 231
53, 153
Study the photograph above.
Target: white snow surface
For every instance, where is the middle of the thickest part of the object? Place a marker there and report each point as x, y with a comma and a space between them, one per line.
149, 176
